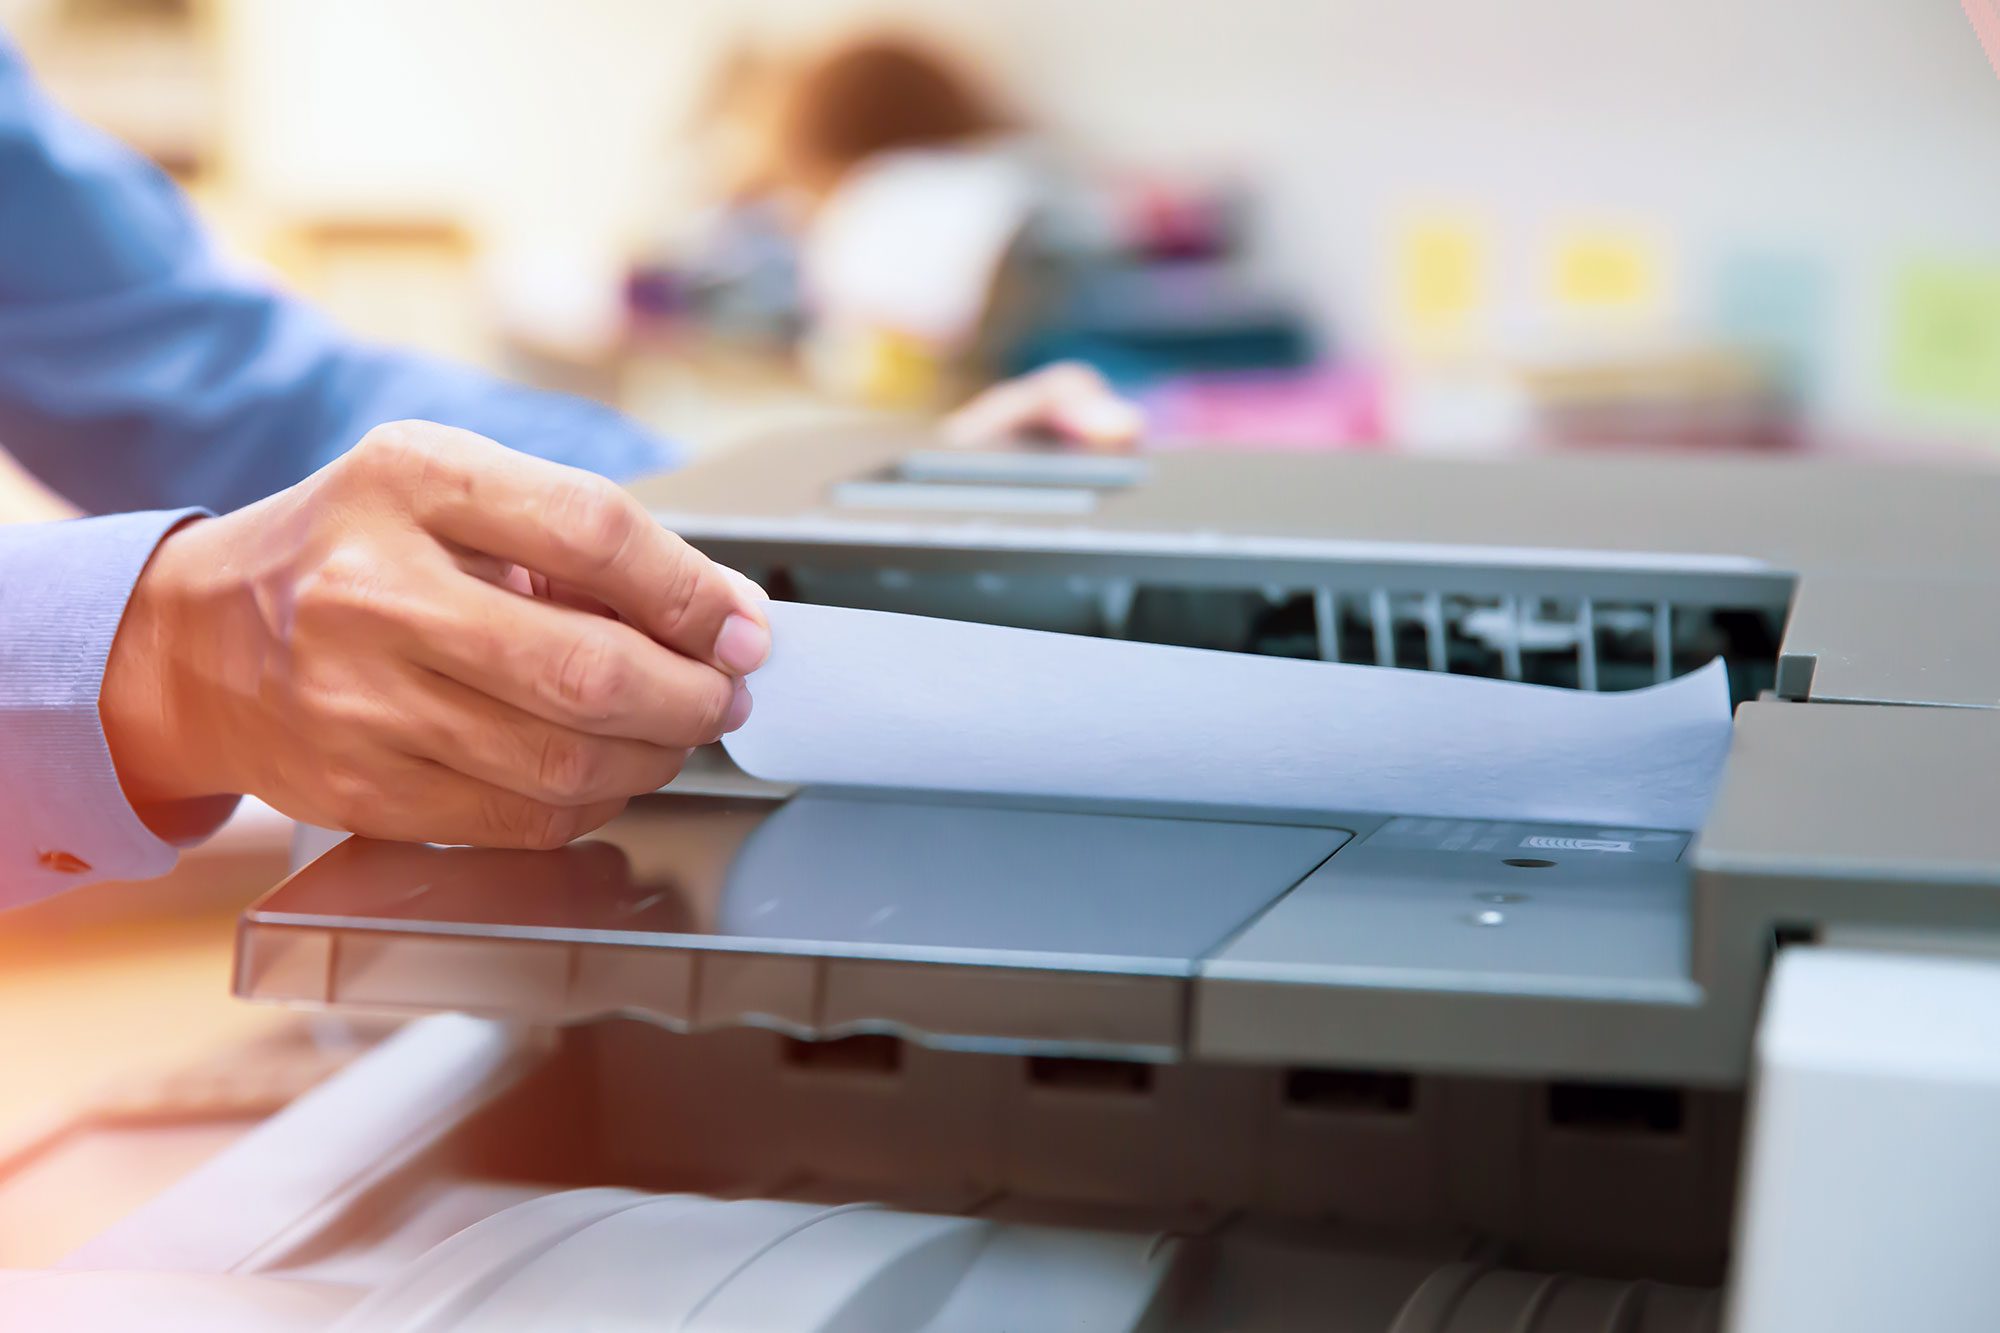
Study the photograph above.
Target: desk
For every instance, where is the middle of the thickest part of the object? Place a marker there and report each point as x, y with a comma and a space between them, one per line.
126, 1060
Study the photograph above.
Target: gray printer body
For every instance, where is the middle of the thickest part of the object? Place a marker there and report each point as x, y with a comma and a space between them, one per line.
1403, 941
1483, 1047
1870, 587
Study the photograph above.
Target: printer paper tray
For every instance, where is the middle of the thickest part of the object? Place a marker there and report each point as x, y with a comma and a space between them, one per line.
1125, 932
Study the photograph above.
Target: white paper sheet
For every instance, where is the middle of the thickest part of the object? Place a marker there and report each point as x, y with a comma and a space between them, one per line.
866, 698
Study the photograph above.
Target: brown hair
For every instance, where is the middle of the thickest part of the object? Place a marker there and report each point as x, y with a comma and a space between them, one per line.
867, 95
878, 95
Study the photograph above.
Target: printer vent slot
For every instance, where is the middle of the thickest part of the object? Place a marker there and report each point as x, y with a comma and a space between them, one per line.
1617, 1108
1223, 618
1093, 1076
1788, 934
1350, 1091
1792, 935
866, 1054
1573, 632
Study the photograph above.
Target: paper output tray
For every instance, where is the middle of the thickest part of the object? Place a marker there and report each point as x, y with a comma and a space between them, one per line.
1015, 926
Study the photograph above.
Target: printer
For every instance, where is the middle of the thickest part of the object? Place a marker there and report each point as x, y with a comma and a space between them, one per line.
762, 1058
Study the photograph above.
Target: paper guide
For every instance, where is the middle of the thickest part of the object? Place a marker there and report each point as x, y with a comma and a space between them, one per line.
871, 699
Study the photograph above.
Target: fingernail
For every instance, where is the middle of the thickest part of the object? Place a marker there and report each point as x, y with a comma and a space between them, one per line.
749, 586
742, 645
739, 709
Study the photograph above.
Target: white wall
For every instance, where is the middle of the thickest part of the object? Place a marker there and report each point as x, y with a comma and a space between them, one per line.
1851, 132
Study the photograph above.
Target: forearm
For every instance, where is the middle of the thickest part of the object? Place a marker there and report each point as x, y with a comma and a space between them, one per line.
209, 389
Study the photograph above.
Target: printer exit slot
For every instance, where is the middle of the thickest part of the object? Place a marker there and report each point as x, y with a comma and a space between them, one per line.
1126, 1077
1617, 1108
1613, 630
1350, 1091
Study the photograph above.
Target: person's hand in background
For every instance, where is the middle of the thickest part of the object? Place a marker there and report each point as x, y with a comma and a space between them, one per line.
434, 638
1069, 402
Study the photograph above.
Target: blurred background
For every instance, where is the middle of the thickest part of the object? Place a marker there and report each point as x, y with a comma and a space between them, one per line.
1443, 224
1307, 224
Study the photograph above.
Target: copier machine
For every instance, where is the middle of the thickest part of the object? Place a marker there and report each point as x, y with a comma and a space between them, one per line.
873, 1061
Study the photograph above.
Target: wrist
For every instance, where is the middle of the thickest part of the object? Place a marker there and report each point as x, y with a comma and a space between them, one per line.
145, 700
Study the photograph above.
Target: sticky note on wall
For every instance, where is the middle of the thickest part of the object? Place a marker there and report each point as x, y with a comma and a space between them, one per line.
1944, 346
1776, 303
1441, 277
1607, 271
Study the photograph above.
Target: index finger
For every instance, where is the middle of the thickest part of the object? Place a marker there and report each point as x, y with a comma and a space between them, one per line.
1069, 400
587, 533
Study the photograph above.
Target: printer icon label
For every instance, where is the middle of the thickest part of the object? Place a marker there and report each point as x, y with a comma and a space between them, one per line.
1548, 843
1502, 839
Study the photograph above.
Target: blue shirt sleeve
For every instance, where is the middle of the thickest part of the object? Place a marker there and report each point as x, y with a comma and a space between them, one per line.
140, 370
64, 819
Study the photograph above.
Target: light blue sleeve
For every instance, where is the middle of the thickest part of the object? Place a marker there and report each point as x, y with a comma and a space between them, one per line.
139, 370
64, 819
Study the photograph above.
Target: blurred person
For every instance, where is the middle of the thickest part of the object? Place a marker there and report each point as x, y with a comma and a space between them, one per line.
423, 636
791, 131
774, 138
878, 205
874, 202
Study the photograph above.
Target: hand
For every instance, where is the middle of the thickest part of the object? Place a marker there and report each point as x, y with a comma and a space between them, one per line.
1069, 400
367, 650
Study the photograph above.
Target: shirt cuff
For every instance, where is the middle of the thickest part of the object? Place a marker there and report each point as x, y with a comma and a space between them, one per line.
66, 821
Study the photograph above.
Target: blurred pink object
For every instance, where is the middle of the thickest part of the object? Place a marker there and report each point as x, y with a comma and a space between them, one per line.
1321, 408
1985, 16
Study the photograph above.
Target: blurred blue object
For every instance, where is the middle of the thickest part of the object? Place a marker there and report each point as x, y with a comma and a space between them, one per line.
1776, 303
1140, 321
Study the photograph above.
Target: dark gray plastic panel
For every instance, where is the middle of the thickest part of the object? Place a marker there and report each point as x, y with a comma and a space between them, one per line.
1851, 811
1466, 945
990, 926
1858, 794
1867, 638
1894, 562
1576, 922
1834, 818
1794, 514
